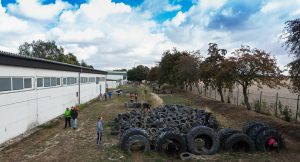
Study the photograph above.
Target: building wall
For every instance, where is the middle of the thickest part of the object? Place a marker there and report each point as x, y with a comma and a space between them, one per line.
24, 109
111, 84
117, 77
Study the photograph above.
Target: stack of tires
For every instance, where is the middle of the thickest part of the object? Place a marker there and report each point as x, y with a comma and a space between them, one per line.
254, 136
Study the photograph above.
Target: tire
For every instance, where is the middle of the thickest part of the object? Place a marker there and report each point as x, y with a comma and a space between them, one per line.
138, 142
249, 125
238, 142
131, 132
254, 131
224, 133
185, 156
206, 135
168, 139
263, 138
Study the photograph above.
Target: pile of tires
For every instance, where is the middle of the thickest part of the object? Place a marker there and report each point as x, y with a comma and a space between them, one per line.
253, 136
170, 129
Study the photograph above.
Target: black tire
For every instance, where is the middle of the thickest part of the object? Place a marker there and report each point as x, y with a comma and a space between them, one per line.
251, 124
263, 138
131, 132
224, 133
254, 131
168, 139
137, 143
239, 142
205, 135
185, 156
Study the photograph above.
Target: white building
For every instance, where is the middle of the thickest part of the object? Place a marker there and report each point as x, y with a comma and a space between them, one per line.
34, 91
116, 78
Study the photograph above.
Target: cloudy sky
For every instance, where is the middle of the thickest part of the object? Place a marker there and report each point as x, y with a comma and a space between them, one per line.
112, 34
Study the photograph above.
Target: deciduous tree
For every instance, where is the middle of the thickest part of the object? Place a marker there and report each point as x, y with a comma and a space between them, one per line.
255, 66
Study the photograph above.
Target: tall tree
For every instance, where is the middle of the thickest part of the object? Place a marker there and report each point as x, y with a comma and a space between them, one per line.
216, 70
189, 68
153, 74
167, 67
138, 73
291, 36
255, 66
50, 51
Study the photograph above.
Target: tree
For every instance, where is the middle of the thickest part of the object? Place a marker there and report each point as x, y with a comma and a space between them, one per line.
254, 66
153, 74
167, 67
50, 51
216, 70
291, 36
138, 73
295, 75
188, 67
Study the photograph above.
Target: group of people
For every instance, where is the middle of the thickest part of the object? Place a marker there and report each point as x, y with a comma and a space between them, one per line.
71, 114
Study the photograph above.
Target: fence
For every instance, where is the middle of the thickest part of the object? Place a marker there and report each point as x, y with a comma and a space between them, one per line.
277, 102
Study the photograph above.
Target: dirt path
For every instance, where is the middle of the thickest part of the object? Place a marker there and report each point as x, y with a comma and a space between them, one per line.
58, 144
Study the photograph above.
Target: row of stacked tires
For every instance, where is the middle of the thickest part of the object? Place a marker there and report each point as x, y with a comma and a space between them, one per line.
182, 130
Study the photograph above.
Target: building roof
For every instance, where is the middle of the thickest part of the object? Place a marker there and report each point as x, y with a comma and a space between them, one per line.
124, 73
11, 59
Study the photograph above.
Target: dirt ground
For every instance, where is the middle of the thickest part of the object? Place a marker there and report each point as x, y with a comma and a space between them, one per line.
53, 143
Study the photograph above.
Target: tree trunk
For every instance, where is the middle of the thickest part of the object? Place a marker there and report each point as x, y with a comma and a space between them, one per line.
221, 93
229, 95
246, 100
191, 87
197, 86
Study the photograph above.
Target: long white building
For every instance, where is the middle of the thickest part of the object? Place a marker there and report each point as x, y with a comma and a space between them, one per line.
34, 91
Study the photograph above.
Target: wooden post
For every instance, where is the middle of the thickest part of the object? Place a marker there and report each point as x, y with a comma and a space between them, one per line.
297, 107
276, 104
260, 96
237, 97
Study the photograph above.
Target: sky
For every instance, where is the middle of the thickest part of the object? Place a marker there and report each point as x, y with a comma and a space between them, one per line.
114, 34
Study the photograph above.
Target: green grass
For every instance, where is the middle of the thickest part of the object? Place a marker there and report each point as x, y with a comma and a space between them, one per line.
175, 99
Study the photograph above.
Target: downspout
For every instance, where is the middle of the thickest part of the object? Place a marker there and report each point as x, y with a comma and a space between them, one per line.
79, 80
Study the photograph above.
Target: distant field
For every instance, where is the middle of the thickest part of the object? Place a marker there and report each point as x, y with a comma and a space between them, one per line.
285, 98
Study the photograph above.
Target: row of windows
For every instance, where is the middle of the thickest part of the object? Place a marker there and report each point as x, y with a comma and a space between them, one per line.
15, 83
19, 83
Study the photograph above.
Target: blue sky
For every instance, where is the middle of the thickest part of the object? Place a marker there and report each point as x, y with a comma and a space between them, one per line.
118, 33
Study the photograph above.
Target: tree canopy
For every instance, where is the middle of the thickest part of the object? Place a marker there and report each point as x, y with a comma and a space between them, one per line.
254, 66
138, 73
50, 51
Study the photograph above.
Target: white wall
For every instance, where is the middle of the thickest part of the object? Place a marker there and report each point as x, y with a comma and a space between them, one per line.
25, 109
117, 77
111, 84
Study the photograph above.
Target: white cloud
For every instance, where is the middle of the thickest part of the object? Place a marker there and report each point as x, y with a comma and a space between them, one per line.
33, 9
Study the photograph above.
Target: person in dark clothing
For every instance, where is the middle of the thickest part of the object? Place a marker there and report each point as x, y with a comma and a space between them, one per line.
74, 115
67, 118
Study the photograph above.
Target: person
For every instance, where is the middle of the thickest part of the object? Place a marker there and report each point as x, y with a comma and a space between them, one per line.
74, 115
136, 96
110, 94
100, 97
105, 96
146, 107
131, 97
99, 127
67, 118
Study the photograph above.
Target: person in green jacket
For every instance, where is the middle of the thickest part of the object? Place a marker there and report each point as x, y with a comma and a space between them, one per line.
67, 118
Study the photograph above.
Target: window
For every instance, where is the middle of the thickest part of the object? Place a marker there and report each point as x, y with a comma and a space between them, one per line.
40, 82
47, 82
5, 84
53, 81
58, 81
65, 81
27, 83
17, 83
